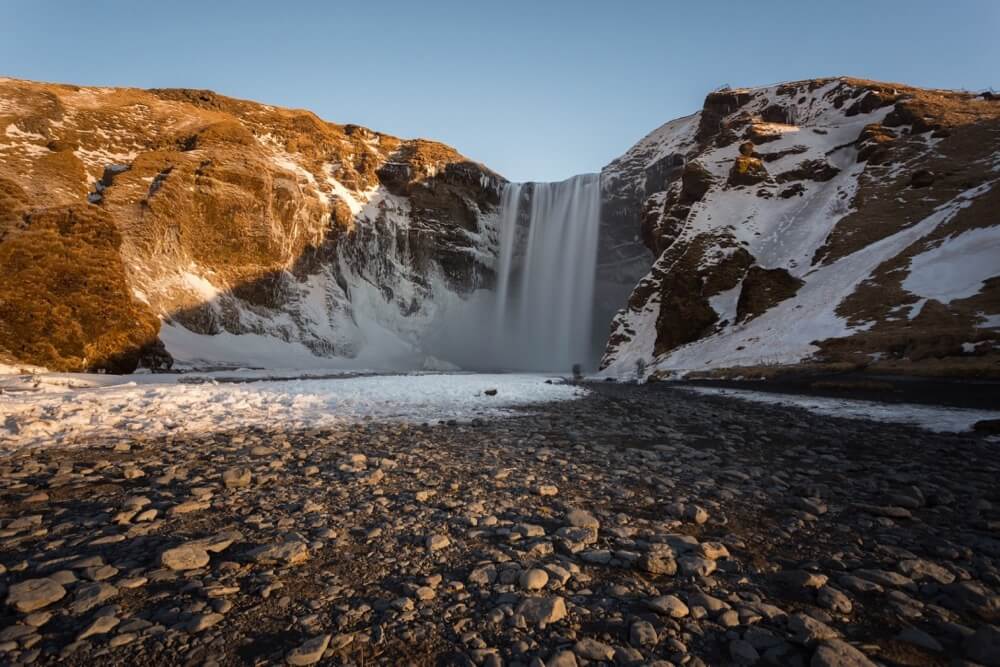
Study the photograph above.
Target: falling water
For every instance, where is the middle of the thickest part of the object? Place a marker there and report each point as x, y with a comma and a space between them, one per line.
545, 274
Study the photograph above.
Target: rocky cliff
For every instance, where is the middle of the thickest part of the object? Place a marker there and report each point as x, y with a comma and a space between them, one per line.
122, 209
833, 220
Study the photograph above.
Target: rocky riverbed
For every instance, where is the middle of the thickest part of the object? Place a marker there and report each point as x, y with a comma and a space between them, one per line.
635, 525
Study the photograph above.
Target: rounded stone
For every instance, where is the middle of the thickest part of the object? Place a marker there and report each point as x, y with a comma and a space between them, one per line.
34, 594
534, 579
184, 557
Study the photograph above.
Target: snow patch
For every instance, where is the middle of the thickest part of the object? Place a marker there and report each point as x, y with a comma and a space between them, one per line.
158, 404
725, 303
957, 267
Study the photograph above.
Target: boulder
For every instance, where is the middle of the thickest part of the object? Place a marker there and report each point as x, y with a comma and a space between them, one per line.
748, 171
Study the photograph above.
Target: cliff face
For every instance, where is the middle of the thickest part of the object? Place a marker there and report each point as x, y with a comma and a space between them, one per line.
833, 220
122, 208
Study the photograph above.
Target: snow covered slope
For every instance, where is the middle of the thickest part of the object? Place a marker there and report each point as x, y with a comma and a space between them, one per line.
827, 220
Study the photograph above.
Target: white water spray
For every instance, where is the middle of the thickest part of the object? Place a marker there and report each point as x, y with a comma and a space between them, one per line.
543, 316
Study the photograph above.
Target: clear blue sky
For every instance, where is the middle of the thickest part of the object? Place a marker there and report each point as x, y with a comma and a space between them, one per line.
537, 90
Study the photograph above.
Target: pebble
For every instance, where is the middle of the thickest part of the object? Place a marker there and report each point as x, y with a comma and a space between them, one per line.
437, 542
668, 605
377, 536
310, 652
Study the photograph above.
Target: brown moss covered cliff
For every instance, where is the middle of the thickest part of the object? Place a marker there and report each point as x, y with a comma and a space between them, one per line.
123, 207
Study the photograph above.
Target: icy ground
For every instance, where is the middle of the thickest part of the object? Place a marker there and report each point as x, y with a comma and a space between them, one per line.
66, 408
935, 418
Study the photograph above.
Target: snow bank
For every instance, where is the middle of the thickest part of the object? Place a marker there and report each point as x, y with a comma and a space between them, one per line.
928, 417
957, 267
158, 404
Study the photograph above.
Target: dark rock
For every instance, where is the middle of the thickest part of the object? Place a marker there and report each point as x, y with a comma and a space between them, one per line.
696, 180
812, 170
991, 426
763, 289
717, 106
795, 189
922, 178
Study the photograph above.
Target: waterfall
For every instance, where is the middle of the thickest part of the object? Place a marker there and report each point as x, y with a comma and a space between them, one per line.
547, 261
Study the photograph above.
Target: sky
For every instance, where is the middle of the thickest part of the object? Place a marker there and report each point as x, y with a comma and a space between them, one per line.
538, 90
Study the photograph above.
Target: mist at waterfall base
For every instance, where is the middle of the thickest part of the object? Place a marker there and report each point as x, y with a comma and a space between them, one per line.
539, 316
